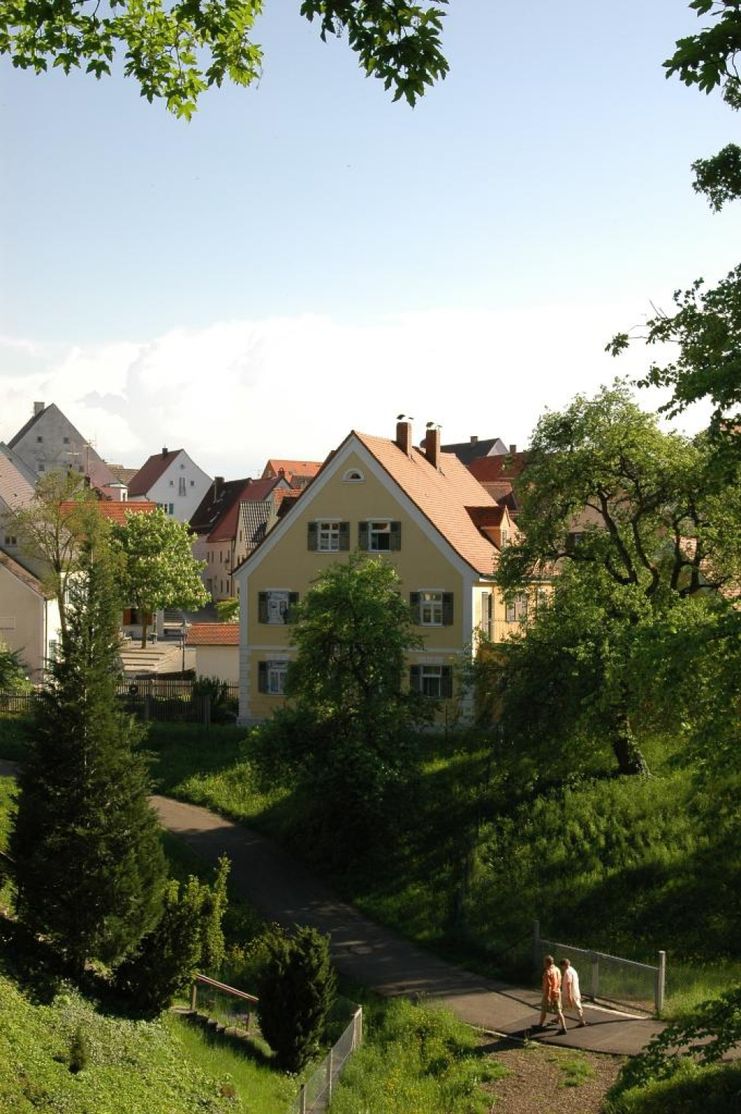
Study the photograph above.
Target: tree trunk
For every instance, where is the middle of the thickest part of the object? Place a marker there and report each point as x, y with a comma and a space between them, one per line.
626, 749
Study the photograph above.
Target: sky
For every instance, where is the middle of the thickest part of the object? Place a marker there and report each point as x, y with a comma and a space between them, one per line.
306, 257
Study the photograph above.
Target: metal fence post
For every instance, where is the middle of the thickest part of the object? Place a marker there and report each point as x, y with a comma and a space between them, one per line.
302, 1100
329, 1074
595, 976
193, 996
660, 982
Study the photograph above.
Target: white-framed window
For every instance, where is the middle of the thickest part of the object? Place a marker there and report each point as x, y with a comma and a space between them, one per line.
353, 476
172, 483
432, 607
272, 677
328, 535
274, 606
516, 610
181, 485
434, 681
379, 536
11, 539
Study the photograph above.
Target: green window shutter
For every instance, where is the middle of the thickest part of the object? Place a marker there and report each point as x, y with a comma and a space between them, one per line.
262, 676
363, 536
292, 601
313, 539
262, 607
415, 678
395, 538
446, 682
415, 608
344, 535
447, 609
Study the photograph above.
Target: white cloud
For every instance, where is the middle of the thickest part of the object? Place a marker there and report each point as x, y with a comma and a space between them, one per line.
237, 392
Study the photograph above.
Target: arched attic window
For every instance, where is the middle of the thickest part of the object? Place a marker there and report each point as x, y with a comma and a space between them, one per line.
353, 476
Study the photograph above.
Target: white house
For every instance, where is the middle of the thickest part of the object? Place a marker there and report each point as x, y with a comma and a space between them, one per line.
173, 480
29, 616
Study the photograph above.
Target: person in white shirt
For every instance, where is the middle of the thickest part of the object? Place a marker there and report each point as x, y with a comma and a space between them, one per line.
570, 993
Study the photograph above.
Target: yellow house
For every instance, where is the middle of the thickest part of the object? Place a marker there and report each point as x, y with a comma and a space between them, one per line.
420, 509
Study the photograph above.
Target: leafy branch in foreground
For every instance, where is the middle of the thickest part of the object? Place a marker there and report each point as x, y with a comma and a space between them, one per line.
706, 327
177, 51
706, 1035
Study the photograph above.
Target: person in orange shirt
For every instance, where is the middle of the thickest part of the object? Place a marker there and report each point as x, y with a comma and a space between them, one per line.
551, 994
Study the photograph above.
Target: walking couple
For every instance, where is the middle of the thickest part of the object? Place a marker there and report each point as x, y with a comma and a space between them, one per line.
560, 987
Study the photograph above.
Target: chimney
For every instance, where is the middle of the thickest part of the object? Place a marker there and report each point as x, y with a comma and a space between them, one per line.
432, 446
474, 439
38, 408
218, 484
404, 437
164, 450
512, 450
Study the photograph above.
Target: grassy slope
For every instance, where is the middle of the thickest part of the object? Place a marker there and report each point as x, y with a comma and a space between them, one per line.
136, 1067
624, 865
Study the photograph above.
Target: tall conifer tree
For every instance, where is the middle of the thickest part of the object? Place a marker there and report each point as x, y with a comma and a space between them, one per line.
90, 867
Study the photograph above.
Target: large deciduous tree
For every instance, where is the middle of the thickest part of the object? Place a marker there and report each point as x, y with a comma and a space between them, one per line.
159, 569
88, 858
628, 522
175, 51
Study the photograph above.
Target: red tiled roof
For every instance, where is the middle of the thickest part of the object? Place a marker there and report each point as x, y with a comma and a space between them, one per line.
502, 467
213, 634
151, 471
254, 491
290, 468
114, 512
444, 495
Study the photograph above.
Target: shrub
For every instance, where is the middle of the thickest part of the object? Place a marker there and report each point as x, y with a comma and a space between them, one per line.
187, 935
296, 985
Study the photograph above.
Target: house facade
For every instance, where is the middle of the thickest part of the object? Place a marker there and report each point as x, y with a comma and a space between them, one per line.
173, 480
214, 649
29, 617
421, 510
49, 442
16, 493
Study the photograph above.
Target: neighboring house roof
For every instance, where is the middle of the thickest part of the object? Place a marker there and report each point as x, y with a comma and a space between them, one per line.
299, 470
489, 469
15, 490
116, 512
443, 494
151, 470
213, 634
27, 578
466, 451
218, 514
123, 474
11, 455
256, 519
94, 466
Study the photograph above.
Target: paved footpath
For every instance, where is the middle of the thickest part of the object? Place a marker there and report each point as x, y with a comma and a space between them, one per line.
284, 891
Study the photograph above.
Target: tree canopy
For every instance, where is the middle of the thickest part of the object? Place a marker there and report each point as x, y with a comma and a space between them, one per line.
175, 51
630, 524
159, 568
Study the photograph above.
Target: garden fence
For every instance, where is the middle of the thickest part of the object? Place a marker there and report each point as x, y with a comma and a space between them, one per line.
609, 977
155, 698
316, 1093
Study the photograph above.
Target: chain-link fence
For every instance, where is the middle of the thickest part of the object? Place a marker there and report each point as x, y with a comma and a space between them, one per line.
609, 977
316, 1093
